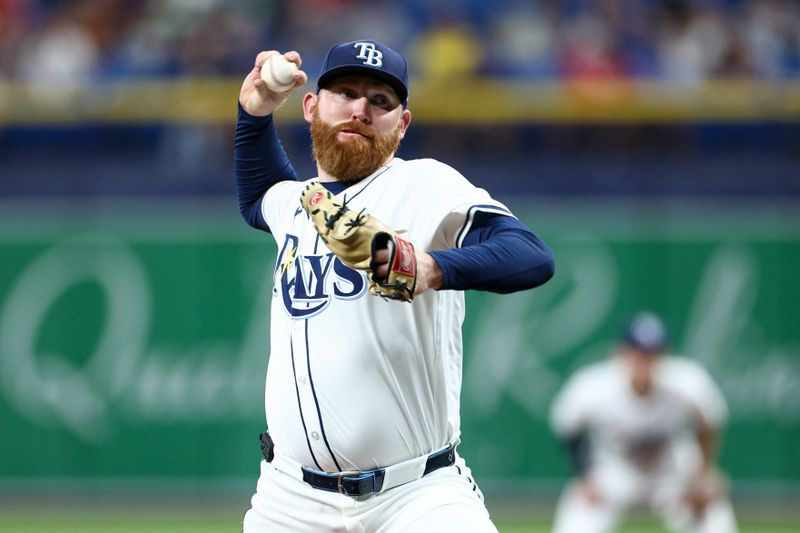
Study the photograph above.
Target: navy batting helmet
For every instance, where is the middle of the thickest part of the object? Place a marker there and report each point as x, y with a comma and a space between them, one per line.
646, 332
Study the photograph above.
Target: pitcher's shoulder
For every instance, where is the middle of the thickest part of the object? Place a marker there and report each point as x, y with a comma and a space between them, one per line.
427, 170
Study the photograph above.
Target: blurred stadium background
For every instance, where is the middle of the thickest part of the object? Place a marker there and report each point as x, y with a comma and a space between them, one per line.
654, 143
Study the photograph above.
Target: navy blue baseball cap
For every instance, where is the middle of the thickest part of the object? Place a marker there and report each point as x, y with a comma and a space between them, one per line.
369, 58
646, 332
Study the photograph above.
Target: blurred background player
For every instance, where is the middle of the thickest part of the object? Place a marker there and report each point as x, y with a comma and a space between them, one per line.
641, 429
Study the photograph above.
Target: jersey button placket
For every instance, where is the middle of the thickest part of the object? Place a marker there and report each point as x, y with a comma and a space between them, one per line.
306, 391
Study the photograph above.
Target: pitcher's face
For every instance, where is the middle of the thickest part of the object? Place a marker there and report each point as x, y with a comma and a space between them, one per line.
357, 123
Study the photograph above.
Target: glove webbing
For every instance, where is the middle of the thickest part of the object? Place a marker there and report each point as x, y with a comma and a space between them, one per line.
330, 221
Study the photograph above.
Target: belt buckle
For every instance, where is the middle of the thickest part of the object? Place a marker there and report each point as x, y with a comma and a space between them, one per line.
365, 482
340, 484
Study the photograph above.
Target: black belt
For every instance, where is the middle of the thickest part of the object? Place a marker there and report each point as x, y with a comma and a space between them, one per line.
359, 483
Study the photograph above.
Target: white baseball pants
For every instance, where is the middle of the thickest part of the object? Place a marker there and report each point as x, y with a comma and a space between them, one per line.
446, 500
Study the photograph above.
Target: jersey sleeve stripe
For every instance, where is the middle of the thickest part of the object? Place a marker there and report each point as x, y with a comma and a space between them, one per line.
470, 218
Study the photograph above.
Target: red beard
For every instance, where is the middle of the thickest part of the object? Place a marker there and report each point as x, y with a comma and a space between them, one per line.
355, 158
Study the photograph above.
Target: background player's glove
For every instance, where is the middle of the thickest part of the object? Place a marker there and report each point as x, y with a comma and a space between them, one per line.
355, 237
706, 486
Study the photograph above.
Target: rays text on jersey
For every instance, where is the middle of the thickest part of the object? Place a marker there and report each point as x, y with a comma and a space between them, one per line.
308, 283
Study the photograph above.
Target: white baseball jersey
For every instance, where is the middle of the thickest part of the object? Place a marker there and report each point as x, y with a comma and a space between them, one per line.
643, 448
632, 429
354, 381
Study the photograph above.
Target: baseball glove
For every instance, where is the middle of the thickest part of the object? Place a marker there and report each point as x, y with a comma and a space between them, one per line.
706, 486
355, 237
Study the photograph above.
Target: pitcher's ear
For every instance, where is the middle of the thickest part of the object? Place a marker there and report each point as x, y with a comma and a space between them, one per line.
309, 104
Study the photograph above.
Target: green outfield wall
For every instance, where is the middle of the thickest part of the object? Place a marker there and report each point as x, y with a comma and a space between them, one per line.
133, 337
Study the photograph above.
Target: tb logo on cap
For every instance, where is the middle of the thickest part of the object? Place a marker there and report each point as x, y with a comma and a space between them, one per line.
369, 54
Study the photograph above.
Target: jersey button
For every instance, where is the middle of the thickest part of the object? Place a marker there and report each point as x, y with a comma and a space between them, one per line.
303, 380
315, 435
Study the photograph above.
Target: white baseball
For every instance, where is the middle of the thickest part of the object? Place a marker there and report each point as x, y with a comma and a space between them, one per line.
277, 73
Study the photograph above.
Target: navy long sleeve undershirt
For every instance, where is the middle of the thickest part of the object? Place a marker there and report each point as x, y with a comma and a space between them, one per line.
498, 254
260, 162
577, 448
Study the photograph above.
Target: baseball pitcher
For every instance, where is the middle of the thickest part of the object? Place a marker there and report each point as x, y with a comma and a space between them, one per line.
374, 253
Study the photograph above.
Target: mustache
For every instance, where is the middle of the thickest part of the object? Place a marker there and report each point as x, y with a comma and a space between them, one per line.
358, 127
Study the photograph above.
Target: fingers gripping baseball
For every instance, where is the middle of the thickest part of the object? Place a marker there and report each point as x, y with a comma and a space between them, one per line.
356, 238
256, 97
